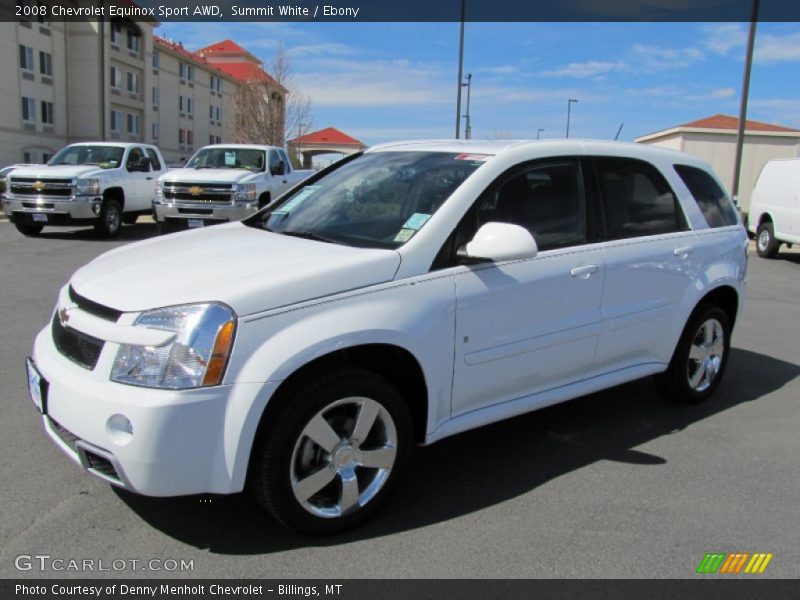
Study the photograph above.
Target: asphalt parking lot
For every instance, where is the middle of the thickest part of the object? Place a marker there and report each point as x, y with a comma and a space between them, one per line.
617, 484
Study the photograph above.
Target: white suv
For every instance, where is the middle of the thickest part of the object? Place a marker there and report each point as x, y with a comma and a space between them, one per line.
401, 296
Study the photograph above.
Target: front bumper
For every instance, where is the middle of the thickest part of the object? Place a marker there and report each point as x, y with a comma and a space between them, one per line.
178, 215
58, 210
183, 442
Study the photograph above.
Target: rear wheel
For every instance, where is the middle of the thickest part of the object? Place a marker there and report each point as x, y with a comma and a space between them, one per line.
766, 244
333, 451
29, 229
110, 220
700, 357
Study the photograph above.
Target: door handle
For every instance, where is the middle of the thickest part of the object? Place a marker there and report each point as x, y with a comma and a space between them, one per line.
683, 252
584, 272
149, 178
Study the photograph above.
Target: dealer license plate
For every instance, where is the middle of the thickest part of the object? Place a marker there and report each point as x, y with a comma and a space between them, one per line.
37, 386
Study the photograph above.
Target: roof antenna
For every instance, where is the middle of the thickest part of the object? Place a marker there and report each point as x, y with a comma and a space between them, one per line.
616, 137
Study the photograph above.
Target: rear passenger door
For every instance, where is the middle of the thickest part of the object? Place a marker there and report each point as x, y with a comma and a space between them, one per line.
650, 264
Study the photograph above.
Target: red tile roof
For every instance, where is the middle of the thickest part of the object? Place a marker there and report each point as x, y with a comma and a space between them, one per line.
247, 72
192, 56
728, 122
329, 135
223, 47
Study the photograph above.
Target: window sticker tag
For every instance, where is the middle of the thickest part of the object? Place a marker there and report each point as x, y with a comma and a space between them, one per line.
404, 235
474, 157
230, 159
296, 200
416, 221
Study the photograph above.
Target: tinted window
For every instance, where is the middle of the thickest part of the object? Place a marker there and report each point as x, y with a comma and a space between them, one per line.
636, 198
546, 199
713, 202
135, 156
154, 162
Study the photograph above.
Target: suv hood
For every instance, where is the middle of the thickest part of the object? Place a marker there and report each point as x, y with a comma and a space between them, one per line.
207, 175
249, 269
57, 172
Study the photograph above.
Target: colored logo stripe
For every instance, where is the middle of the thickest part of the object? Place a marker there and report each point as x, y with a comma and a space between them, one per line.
734, 562
711, 562
758, 563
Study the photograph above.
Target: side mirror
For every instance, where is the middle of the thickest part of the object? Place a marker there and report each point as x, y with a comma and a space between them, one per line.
497, 242
279, 168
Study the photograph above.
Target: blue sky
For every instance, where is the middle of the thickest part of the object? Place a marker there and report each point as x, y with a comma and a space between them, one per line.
389, 81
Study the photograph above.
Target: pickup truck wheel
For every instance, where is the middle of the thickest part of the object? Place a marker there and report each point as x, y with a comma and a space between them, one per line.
110, 219
766, 244
130, 218
700, 357
29, 230
333, 452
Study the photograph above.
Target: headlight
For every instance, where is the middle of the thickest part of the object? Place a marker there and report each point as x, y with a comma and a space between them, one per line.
196, 356
244, 192
87, 187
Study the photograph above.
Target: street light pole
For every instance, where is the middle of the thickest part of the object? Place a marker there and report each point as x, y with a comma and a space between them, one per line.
460, 70
538, 132
569, 110
467, 117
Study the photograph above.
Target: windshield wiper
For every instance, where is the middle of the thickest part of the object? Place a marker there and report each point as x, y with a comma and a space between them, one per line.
204, 167
308, 235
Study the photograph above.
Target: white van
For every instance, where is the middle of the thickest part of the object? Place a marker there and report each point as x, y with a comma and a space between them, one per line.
775, 207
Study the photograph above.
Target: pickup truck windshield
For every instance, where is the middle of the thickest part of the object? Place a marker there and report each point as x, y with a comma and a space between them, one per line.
106, 157
377, 200
228, 158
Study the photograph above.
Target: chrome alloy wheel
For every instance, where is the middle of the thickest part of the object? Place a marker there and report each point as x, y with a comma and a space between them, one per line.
343, 457
763, 240
113, 219
705, 355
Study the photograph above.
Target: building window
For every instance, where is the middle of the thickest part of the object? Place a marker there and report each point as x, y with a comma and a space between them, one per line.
116, 120
188, 106
28, 109
180, 103
186, 71
46, 157
156, 59
25, 58
219, 140
216, 83
133, 124
211, 112
45, 63
218, 112
116, 77
133, 83
211, 139
189, 137
134, 41
181, 136
116, 33
155, 96
47, 113
26, 157
154, 131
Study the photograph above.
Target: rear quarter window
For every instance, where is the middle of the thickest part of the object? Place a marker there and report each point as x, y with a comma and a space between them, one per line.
713, 202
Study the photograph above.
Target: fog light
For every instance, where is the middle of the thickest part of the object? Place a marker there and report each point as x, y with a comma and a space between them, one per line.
96, 208
119, 429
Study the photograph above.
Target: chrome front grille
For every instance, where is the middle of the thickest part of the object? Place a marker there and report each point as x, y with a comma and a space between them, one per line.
30, 186
198, 193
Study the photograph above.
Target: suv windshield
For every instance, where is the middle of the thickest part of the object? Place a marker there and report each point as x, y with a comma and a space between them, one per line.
228, 158
376, 200
107, 157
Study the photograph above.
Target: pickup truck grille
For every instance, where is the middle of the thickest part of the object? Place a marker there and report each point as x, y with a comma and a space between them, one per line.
30, 186
198, 193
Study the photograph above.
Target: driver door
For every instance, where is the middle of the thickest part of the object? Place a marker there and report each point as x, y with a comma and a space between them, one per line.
139, 180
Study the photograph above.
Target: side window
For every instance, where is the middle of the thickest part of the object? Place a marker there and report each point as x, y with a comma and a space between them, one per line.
547, 199
285, 159
154, 162
135, 156
713, 202
637, 199
274, 158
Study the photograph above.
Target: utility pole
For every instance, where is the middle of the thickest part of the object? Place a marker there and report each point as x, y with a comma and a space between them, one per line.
538, 132
569, 110
616, 137
748, 63
460, 70
467, 116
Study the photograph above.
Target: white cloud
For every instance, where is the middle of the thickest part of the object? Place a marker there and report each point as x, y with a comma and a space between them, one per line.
659, 58
328, 49
498, 70
776, 48
591, 68
725, 37
723, 93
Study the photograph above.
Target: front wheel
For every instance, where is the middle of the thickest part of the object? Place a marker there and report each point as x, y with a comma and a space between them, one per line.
766, 244
332, 452
700, 357
110, 220
29, 230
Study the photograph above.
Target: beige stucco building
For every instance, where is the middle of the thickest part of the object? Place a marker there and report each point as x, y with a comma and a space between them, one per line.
91, 80
714, 139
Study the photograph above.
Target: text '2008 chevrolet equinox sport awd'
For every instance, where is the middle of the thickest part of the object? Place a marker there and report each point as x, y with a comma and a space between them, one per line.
400, 296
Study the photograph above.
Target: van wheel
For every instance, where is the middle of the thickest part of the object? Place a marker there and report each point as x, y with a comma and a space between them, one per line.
333, 452
766, 244
28, 229
110, 220
700, 357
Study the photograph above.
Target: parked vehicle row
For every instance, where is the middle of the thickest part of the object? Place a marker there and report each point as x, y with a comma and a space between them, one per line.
402, 295
106, 184
775, 206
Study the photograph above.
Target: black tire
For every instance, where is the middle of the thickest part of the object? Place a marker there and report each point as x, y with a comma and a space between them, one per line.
129, 218
29, 229
282, 446
678, 381
163, 227
110, 221
766, 244
264, 200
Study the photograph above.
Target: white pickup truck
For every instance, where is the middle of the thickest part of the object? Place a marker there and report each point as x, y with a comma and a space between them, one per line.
221, 183
99, 183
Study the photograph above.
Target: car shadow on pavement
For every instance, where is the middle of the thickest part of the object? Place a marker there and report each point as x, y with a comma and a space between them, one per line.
127, 233
480, 468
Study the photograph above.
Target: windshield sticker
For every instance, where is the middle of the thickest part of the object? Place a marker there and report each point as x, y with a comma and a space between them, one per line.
416, 221
474, 157
296, 200
230, 159
404, 235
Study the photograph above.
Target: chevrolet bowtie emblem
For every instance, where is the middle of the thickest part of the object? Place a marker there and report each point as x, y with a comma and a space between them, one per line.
63, 316
195, 190
38, 186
